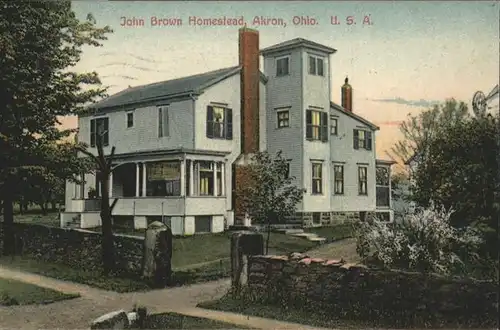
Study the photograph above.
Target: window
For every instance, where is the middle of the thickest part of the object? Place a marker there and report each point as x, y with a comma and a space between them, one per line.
99, 128
338, 175
282, 66
219, 123
206, 175
219, 178
283, 118
317, 186
362, 180
163, 121
362, 139
316, 66
317, 126
382, 178
163, 178
130, 119
203, 224
334, 126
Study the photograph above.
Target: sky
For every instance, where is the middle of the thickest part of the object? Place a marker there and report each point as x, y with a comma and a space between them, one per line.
407, 56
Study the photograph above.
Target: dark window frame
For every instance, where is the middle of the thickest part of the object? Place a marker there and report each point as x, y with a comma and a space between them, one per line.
316, 65
96, 130
163, 121
315, 178
338, 176
316, 132
283, 122
363, 180
219, 130
334, 126
130, 119
282, 70
362, 139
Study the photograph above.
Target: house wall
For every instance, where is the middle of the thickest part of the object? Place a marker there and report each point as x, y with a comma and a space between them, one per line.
342, 150
143, 135
285, 91
316, 93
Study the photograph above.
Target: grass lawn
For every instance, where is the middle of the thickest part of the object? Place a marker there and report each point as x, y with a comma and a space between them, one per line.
66, 273
18, 293
179, 321
334, 320
228, 304
333, 233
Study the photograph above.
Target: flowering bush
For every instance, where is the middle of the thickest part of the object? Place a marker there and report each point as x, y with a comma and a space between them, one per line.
423, 241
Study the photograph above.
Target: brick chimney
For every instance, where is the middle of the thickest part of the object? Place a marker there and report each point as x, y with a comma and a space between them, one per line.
250, 81
347, 95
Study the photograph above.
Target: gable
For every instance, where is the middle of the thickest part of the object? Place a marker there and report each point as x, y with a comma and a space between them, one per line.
359, 119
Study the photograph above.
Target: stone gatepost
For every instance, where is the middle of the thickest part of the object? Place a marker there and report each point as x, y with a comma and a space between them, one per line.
243, 244
158, 254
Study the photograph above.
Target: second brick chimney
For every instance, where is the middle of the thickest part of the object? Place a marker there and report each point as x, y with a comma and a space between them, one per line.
250, 82
347, 95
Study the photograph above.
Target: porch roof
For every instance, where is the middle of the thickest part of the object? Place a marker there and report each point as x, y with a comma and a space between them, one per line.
179, 151
385, 162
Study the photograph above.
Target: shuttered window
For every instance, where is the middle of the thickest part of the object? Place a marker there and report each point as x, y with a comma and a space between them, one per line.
316, 125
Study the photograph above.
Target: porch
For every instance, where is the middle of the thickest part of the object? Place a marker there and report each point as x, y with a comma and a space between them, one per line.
175, 188
383, 189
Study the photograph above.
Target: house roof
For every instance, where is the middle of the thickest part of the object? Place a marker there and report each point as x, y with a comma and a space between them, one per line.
194, 84
297, 42
354, 116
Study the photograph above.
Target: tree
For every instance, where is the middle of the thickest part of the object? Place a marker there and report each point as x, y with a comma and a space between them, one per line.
461, 172
103, 169
419, 130
270, 195
40, 42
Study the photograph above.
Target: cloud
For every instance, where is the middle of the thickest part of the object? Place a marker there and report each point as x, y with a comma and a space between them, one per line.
411, 103
389, 123
121, 76
131, 55
127, 64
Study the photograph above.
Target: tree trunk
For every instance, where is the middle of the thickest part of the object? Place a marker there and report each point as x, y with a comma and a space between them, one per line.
8, 227
43, 206
268, 236
24, 206
107, 245
21, 209
53, 206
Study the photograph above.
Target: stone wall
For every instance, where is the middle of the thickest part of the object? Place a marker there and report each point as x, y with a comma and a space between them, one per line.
325, 218
332, 286
76, 248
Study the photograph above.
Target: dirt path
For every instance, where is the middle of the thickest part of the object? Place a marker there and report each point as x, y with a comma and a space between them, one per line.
78, 313
345, 249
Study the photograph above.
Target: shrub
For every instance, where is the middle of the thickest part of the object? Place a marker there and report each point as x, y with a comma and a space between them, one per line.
423, 241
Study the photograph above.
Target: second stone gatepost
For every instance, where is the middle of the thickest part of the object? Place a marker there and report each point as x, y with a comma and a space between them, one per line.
243, 245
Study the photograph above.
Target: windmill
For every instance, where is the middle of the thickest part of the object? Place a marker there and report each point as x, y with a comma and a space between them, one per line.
480, 101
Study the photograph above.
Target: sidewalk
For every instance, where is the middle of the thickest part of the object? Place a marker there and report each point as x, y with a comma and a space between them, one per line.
79, 312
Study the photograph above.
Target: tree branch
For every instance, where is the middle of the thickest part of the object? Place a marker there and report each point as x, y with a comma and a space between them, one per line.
112, 206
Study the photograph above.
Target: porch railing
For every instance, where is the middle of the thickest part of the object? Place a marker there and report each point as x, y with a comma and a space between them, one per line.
91, 205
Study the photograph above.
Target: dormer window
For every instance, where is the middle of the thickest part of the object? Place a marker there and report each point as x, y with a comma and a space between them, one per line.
316, 65
282, 66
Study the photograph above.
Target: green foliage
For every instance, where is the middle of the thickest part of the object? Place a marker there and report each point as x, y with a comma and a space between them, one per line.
419, 130
424, 241
271, 194
461, 172
42, 42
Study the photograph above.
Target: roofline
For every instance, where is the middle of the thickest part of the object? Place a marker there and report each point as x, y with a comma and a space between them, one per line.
179, 151
165, 98
385, 162
303, 43
354, 116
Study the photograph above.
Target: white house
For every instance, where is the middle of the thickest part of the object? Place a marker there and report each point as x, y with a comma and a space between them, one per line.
180, 144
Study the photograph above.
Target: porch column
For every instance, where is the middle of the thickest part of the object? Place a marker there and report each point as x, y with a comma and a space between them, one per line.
215, 179
223, 178
111, 184
144, 179
183, 177
137, 179
191, 178
82, 186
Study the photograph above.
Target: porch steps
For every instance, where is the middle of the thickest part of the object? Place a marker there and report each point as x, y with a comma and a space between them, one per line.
301, 234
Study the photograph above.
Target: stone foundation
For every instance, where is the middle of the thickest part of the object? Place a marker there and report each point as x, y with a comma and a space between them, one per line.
325, 218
